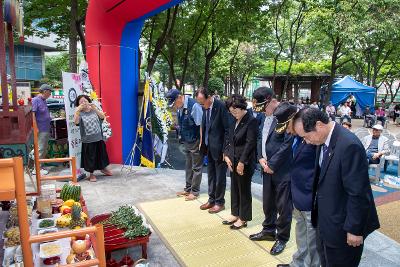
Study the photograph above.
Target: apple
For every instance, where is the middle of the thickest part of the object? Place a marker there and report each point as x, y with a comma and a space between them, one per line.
66, 211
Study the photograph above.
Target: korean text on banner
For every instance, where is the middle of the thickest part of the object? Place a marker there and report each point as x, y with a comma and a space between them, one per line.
72, 87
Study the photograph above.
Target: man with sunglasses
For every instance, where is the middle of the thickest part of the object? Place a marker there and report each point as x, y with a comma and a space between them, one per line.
274, 153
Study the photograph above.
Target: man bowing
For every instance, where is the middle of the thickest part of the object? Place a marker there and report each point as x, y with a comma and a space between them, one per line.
343, 206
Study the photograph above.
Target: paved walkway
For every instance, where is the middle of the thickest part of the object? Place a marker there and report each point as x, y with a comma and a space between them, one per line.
145, 185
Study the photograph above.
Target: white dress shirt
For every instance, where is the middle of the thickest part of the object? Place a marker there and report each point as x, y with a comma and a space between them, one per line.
267, 125
327, 141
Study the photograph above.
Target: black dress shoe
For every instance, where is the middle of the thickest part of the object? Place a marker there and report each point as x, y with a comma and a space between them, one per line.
278, 247
283, 265
234, 227
226, 222
262, 236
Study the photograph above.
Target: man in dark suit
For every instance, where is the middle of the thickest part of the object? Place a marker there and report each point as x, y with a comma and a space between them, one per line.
343, 205
274, 153
215, 132
302, 177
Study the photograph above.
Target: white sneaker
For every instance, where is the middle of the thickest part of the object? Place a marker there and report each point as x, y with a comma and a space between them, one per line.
42, 172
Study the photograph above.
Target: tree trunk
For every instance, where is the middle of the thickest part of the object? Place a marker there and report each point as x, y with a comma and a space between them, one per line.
185, 67
207, 71
278, 39
293, 38
79, 28
207, 66
170, 79
161, 41
336, 51
73, 38
369, 67
231, 63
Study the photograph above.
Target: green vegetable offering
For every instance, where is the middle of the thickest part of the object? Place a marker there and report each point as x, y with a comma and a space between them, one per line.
46, 223
126, 218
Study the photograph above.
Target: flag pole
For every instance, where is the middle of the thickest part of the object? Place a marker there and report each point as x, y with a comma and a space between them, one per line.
131, 156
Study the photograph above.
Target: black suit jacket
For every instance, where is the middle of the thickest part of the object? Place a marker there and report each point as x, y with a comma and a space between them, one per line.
343, 201
242, 141
219, 129
278, 149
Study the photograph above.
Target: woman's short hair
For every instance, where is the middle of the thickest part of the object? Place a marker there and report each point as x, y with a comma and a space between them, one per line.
80, 97
236, 101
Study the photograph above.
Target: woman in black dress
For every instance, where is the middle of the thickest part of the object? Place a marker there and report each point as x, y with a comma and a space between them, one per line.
94, 154
240, 157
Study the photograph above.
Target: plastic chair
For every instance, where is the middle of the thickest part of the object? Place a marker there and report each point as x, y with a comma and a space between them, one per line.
361, 135
378, 168
394, 156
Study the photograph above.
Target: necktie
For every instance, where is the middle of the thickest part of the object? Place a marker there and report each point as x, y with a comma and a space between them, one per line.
207, 126
324, 152
314, 212
296, 143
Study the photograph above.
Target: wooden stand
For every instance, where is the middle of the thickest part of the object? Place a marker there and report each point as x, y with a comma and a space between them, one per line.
38, 162
12, 186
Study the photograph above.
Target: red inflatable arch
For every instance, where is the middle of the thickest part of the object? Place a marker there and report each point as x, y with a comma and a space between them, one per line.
113, 30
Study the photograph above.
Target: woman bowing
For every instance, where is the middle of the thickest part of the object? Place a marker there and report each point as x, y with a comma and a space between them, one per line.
240, 157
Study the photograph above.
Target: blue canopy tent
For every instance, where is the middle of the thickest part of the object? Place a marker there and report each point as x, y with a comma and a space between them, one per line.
341, 90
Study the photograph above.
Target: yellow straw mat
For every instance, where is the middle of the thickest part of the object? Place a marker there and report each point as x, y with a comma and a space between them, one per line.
197, 238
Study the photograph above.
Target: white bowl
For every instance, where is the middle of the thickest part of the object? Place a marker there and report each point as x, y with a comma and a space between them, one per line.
47, 230
57, 252
51, 226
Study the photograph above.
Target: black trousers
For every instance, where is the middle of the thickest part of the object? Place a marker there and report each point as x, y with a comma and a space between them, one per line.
277, 199
216, 171
241, 200
345, 256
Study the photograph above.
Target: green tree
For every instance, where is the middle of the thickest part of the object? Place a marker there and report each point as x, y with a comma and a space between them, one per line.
64, 18
55, 65
217, 85
376, 49
333, 27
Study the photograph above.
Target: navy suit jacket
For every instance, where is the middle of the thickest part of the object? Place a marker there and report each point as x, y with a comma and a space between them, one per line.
260, 117
343, 201
218, 133
302, 175
278, 149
